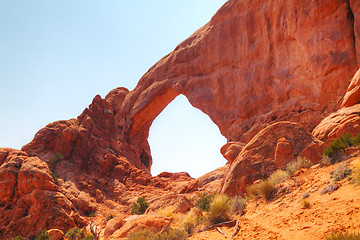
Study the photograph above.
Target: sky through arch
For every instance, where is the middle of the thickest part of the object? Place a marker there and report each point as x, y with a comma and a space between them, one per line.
184, 139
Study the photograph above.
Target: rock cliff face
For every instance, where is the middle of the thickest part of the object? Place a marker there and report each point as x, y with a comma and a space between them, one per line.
254, 63
266, 72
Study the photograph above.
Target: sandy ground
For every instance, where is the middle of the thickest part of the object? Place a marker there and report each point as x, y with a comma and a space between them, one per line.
284, 217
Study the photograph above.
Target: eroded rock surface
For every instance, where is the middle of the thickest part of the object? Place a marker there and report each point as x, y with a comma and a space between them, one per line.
254, 65
257, 160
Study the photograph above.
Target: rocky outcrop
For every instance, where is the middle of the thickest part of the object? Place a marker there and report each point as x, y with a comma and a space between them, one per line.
346, 119
153, 223
260, 157
27, 191
255, 63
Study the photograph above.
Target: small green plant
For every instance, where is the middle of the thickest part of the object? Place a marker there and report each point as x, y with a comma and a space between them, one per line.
340, 144
342, 236
55, 178
77, 234
293, 167
204, 200
19, 237
305, 203
237, 204
278, 176
340, 172
219, 210
264, 188
43, 236
56, 158
139, 207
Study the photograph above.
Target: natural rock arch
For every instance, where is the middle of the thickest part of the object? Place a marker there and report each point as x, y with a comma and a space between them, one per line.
184, 139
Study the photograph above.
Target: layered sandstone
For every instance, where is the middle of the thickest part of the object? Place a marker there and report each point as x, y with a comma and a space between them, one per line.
254, 65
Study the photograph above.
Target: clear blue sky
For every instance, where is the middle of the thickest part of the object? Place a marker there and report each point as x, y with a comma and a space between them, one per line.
55, 56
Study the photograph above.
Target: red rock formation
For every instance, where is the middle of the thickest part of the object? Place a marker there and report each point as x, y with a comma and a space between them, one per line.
153, 223
27, 191
346, 119
257, 160
255, 63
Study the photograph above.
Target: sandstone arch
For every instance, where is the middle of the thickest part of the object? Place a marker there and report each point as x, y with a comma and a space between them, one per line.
292, 65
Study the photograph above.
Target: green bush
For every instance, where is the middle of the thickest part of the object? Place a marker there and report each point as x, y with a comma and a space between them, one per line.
43, 236
219, 210
169, 234
340, 172
56, 158
78, 234
140, 206
204, 200
264, 188
342, 236
340, 144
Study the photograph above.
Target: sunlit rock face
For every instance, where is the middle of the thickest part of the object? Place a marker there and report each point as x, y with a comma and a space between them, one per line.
255, 63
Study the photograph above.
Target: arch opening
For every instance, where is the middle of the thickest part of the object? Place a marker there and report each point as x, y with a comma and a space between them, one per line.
184, 139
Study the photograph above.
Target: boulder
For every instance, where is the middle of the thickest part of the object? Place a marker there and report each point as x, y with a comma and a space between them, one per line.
261, 156
153, 223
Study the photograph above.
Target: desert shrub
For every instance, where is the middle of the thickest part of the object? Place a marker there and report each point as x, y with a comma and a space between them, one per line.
219, 210
342, 236
264, 188
168, 211
340, 144
294, 166
356, 171
141, 235
278, 176
334, 148
340, 172
169, 234
305, 203
140, 206
190, 221
326, 160
43, 236
55, 177
19, 237
237, 204
56, 158
77, 234
204, 200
